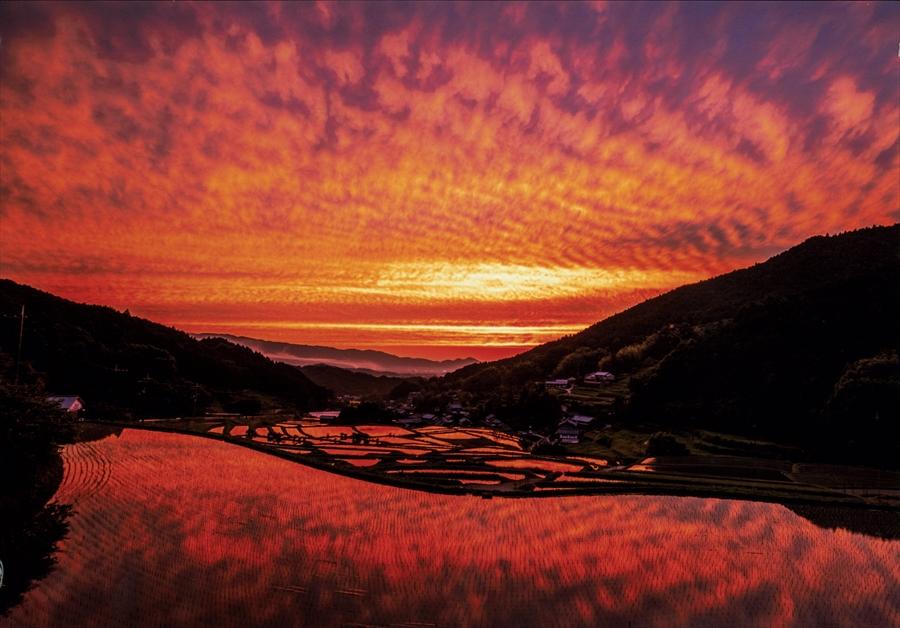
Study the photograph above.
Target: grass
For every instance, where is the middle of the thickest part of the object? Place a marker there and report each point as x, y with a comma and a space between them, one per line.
598, 398
617, 444
628, 443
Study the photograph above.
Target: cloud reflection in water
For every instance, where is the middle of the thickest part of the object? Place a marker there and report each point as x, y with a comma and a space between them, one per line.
171, 529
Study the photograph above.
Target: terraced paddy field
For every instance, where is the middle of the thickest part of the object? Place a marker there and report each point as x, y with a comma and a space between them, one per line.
174, 530
491, 463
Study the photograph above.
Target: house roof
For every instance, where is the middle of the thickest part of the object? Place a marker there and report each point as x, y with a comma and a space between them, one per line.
325, 414
66, 401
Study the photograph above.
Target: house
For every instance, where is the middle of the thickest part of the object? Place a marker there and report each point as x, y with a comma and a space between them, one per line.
69, 403
568, 433
599, 377
560, 384
326, 415
581, 420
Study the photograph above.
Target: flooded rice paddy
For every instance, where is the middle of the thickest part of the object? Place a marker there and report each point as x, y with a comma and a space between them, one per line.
173, 529
489, 462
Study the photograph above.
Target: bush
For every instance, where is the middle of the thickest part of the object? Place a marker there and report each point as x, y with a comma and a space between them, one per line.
29, 422
367, 411
665, 444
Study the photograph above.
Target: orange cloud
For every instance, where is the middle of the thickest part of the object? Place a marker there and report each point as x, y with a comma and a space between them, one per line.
471, 165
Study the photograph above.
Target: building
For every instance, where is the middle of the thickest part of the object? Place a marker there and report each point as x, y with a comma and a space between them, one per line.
581, 420
69, 403
560, 384
568, 433
326, 415
599, 377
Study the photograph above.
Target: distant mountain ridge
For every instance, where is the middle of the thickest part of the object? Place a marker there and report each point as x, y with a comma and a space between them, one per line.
365, 360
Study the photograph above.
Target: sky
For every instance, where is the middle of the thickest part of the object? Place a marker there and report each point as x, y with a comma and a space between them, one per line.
432, 179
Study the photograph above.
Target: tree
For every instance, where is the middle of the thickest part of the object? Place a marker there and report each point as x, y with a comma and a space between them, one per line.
31, 430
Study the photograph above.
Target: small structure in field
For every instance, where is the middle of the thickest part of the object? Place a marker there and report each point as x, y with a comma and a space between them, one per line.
559, 384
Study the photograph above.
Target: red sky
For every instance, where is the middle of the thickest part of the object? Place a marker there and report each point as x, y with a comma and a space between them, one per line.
431, 179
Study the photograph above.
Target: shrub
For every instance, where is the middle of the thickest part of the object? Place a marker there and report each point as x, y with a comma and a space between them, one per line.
665, 444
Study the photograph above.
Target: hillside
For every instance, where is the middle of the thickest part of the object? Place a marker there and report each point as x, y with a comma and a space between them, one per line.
123, 365
365, 360
802, 345
356, 383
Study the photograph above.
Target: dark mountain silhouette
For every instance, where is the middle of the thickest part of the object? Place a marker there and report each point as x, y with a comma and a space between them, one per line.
804, 345
123, 365
368, 361
356, 383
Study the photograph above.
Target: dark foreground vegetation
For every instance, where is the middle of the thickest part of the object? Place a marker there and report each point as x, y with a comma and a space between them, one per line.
124, 366
802, 348
31, 431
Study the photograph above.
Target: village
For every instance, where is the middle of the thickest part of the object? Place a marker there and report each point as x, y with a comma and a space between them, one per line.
455, 449
574, 394
584, 401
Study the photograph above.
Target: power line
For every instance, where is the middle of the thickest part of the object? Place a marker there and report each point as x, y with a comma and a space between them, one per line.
19, 351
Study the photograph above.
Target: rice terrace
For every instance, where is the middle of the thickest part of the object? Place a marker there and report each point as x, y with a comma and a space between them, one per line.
487, 462
239, 536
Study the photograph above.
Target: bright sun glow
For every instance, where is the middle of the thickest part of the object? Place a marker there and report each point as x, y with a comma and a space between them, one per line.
481, 164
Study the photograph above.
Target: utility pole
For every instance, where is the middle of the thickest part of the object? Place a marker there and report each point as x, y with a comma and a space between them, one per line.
19, 351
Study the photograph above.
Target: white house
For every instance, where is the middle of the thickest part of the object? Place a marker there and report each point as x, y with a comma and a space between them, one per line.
69, 403
599, 376
581, 420
568, 433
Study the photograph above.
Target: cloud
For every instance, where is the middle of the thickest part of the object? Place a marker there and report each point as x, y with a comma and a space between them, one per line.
326, 146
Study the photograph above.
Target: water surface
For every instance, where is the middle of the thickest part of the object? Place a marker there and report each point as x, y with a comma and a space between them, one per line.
178, 530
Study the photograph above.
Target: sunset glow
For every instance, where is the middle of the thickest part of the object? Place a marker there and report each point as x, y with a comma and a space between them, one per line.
431, 179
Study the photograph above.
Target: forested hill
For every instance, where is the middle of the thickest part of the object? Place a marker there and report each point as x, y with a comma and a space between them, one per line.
810, 335
122, 365
356, 383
